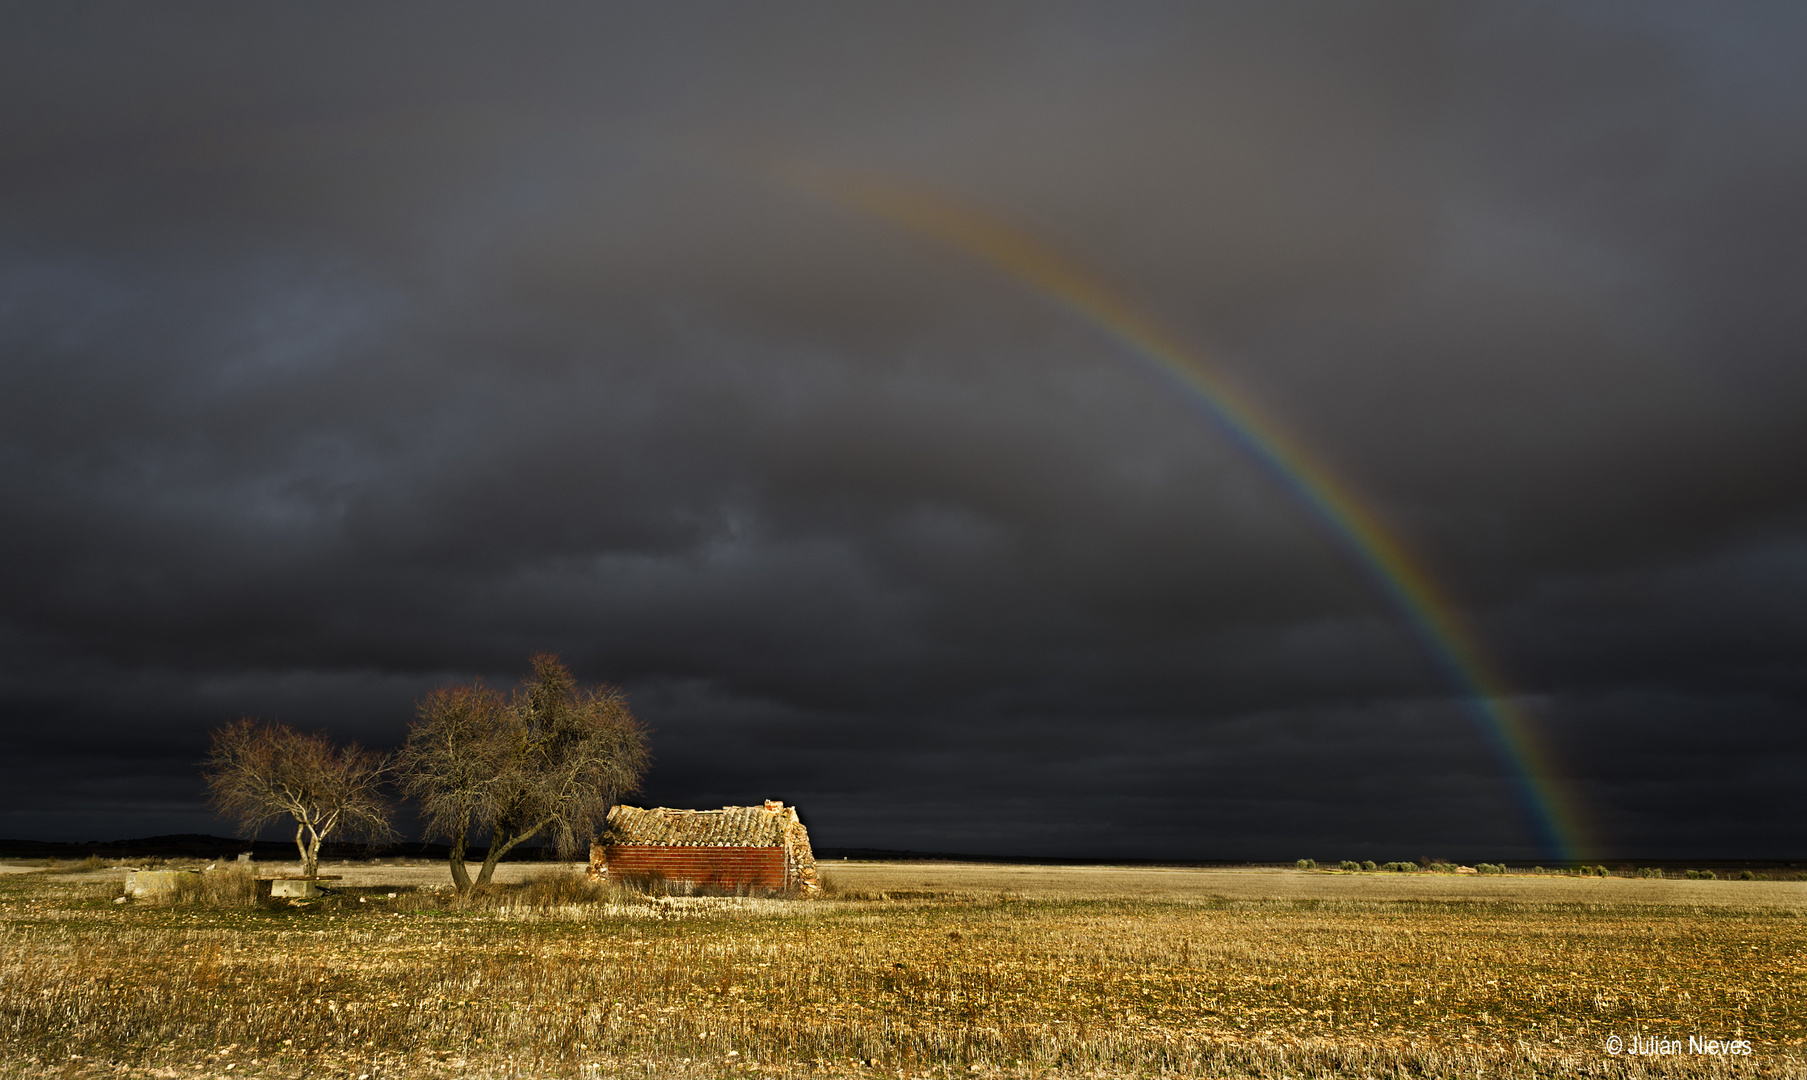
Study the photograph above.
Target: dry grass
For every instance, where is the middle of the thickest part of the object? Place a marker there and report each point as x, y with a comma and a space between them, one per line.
229, 886
981, 880
557, 977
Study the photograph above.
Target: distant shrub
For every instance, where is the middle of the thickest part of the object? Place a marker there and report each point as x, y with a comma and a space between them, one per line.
1350, 864
228, 887
1702, 875
1306, 864
552, 891
1400, 867
1368, 864
1538, 870
1650, 871
835, 889
1489, 868
558, 890
1440, 866
1748, 875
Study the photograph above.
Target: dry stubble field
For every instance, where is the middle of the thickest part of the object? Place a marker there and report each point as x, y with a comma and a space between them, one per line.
912, 970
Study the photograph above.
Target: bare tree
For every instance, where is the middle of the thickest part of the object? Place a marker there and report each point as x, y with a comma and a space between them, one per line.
451, 762
262, 771
548, 762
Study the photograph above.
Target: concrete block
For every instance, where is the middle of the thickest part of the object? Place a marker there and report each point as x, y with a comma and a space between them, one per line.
293, 888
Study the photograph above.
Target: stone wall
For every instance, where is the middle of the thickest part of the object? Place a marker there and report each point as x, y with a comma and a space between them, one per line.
800, 859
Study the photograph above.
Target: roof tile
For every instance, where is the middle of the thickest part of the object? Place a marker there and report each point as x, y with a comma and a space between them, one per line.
731, 826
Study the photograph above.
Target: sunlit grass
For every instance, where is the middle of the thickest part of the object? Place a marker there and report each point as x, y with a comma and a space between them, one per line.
559, 976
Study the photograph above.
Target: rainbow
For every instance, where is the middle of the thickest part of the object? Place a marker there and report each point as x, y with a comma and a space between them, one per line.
1402, 577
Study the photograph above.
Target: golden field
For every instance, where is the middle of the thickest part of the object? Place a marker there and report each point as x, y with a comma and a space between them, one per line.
911, 970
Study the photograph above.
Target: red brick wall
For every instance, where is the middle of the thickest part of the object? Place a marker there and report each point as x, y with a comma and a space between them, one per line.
724, 867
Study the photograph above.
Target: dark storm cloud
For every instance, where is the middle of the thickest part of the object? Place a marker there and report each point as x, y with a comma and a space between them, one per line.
348, 353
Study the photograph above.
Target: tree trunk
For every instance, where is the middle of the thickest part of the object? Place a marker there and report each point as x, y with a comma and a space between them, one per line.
499, 847
318, 832
301, 846
461, 877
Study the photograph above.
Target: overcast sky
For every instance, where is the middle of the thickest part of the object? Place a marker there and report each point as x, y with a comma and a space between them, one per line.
347, 353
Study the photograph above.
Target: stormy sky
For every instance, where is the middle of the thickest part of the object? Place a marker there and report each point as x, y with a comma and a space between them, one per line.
348, 352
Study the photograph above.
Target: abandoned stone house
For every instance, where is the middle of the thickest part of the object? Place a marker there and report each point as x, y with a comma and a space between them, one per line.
737, 848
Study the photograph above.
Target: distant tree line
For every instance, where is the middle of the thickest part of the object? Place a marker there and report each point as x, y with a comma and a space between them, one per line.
546, 761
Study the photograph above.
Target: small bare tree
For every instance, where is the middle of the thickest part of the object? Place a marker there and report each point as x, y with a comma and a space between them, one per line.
549, 761
262, 771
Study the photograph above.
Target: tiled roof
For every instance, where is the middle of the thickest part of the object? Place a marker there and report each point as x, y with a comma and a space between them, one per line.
731, 826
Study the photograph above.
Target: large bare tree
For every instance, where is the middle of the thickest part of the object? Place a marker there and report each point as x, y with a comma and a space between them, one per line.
549, 761
453, 757
261, 771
